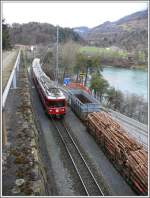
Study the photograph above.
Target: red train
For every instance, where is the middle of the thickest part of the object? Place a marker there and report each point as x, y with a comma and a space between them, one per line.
52, 97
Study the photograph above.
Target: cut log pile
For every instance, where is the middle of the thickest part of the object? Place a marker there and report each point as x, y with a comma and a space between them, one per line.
138, 162
122, 149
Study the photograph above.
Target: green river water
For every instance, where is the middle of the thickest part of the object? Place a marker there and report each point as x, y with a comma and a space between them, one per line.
127, 80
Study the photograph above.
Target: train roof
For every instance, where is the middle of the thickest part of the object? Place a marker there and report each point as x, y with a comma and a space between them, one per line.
48, 86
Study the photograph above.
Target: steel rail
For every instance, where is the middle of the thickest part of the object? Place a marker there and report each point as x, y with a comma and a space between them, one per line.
83, 159
139, 136
98, 191
131, 121
70, 155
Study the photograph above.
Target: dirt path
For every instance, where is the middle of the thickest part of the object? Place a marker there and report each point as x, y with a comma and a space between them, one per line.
8, 61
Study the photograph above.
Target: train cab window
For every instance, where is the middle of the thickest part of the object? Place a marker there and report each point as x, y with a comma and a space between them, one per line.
56, 103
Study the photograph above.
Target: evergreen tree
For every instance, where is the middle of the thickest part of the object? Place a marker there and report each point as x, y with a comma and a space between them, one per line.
99, 85
6, 44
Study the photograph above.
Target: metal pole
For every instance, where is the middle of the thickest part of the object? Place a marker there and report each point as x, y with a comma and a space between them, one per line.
33, 53
57, 56
14, 80
18, 63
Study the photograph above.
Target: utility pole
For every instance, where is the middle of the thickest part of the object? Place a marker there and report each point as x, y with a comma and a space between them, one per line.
57, 56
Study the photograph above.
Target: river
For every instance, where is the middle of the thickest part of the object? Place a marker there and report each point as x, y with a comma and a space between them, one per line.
131, 81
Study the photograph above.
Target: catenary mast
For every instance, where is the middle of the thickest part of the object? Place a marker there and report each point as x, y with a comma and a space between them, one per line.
57, 56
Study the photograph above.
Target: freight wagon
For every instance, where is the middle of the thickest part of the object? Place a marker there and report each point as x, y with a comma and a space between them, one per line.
127, 155
82, 103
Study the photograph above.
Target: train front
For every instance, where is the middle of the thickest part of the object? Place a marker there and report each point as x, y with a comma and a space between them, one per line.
56, 102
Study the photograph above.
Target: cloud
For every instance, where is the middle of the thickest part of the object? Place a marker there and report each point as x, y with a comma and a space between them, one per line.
69, 14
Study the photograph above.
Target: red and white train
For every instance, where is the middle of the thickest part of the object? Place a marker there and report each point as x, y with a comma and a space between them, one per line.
52, 97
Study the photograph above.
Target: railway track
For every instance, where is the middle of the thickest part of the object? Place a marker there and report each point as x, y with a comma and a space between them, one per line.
135, 129
142, 127
86, 177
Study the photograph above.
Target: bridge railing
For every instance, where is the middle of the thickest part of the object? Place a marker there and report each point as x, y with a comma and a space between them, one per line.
11, 83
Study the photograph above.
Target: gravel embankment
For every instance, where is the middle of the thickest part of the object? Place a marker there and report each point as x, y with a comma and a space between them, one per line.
22, 169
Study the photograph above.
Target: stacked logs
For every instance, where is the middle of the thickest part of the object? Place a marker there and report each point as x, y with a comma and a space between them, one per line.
121, 149
137, 162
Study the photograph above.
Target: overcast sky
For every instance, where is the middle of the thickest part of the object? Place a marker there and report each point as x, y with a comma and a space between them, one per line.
71, 14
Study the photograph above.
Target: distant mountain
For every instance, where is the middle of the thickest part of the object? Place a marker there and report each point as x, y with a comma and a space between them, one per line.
82, 31
129, 32
40, 33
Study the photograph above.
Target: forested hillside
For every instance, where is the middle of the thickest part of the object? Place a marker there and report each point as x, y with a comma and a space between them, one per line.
40, 33
130, 33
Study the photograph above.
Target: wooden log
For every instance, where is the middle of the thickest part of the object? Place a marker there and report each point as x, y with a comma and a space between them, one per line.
103, 120
120, 146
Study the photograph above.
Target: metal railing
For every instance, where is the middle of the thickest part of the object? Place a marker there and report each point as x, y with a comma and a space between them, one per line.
131, 121
12, 81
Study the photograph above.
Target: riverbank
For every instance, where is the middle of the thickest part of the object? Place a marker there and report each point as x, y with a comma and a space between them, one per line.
117, 57
123, 65
138, 67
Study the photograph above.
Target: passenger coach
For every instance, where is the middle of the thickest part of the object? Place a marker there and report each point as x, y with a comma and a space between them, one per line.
52, 97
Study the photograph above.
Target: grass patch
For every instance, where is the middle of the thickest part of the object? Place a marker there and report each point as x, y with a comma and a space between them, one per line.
104, 52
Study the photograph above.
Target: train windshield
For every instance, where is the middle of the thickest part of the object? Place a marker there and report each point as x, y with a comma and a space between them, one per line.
53, 104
